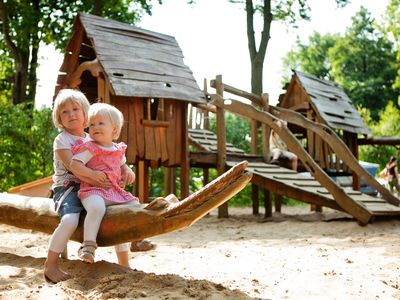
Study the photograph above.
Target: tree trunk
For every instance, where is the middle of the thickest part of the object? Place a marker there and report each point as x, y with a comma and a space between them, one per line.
32, 76
20, 78
257, 57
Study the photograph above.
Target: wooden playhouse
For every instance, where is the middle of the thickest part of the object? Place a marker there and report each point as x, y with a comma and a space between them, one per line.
142, 73
323, 101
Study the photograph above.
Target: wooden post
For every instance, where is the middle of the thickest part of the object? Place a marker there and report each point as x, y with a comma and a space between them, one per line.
221, 142
185, 164
267, 204
143, 181
278, 203
266, 131
168, 181
254, 146
206, 115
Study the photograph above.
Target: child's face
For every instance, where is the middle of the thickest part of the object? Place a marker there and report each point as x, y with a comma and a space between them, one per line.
101, 130
72, 118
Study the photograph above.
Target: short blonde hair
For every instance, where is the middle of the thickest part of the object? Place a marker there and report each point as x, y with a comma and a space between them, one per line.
115, 115
69, 96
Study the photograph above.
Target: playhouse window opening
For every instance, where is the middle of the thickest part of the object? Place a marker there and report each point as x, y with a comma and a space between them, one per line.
154, 109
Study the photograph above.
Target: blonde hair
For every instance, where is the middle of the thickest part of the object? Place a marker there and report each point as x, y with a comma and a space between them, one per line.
69, 96
115, 115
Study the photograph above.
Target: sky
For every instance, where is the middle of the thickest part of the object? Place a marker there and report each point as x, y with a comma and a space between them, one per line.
213, 39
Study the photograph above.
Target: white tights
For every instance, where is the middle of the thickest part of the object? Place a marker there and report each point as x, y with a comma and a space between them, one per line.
69, 223
95, 209
63, 232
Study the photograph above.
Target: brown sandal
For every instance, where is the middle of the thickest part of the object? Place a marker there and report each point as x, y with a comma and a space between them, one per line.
143, 245
86, 251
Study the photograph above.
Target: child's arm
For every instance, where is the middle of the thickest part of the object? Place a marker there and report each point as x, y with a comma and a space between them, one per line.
65, 155
79, 169
128, 176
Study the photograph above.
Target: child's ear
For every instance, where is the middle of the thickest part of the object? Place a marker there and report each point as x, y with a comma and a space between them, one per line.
115, 133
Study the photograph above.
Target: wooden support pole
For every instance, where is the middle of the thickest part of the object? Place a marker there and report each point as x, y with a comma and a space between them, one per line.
185, 163
221, 142
143, 181
267, 204
278, 203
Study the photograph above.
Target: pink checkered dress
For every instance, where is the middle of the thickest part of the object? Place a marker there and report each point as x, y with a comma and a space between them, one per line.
108, 162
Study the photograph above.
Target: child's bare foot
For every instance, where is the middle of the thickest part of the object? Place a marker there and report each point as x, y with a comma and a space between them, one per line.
53, 273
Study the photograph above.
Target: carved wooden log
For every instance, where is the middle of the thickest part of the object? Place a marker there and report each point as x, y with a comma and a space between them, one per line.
124, 223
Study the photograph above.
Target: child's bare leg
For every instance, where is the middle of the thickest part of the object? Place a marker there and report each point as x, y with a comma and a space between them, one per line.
52, 270
122, 252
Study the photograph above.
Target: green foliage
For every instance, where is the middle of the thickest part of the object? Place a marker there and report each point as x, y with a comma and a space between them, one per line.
393, 30
362, 62
27, 24
388, 125
312, 58
237, 131
26, 139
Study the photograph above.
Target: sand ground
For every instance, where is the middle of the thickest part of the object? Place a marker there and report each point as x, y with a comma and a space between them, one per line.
296, 255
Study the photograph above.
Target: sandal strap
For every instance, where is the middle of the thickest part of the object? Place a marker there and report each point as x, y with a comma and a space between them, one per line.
88, 246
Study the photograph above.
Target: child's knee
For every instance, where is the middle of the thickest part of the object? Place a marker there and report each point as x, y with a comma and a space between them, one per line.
70, 221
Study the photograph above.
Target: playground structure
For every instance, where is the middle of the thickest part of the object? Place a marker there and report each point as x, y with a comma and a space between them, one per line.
318, 188
143, 74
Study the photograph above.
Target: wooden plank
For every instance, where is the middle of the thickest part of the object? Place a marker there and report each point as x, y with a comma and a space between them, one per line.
308, 184
163, 142
297, 178
171, 133
132, 134
150, 144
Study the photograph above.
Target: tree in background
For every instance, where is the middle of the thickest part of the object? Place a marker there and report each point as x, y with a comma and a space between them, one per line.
26, 139
288, 11
362, 62
388, 125
26, 24
312, 57
393, 30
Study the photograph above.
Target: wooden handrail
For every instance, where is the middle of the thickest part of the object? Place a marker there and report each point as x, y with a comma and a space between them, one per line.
255, 99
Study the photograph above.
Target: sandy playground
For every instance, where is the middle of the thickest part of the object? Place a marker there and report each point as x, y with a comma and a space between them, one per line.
297, 255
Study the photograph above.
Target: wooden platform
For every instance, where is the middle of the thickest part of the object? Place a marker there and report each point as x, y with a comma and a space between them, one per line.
286, 182
305, 188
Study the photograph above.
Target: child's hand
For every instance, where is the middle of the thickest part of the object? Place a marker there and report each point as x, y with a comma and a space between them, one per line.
128, 176
100, 179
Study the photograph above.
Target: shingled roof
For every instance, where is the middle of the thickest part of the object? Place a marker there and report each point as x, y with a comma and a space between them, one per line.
331, 103
139, 62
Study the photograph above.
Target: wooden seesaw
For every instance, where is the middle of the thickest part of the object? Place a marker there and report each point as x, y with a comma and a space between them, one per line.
129, 222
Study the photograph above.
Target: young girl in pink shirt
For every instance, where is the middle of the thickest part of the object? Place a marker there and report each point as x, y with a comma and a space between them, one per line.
104, 158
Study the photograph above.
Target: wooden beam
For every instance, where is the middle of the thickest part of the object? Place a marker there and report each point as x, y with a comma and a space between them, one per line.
380, 140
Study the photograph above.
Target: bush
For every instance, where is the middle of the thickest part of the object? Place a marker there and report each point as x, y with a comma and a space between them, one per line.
26, 139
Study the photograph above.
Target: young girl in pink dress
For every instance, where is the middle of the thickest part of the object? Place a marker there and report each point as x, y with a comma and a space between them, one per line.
104, 158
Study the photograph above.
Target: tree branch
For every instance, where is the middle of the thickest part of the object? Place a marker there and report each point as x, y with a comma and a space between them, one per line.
250, 29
